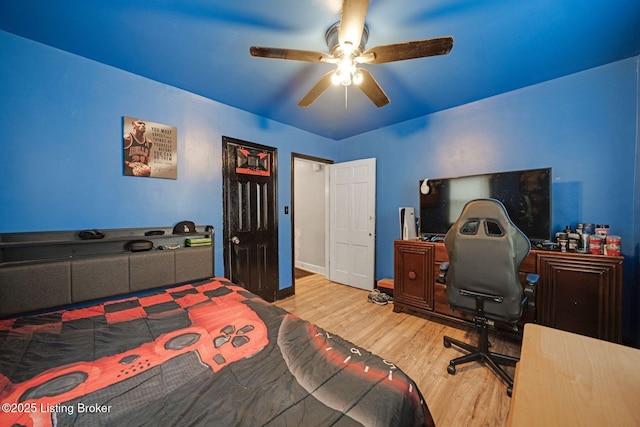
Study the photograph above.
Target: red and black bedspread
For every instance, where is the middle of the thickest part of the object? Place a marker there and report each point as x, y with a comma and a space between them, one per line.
204, 354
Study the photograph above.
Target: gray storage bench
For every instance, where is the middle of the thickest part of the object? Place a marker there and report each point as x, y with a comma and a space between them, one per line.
45, 270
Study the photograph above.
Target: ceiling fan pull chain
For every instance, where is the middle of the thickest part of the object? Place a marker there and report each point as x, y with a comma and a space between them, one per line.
346, 97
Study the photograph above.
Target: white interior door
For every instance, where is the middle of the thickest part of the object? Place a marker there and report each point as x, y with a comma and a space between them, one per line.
352, 219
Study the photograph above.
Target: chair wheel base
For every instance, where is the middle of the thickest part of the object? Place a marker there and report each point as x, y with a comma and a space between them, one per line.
482, 355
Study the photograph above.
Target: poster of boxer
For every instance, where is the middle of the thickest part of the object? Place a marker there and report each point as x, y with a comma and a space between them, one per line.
150, 149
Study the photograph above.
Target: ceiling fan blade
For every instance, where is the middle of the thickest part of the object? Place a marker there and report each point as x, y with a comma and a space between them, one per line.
354, 13
407, 50
322, 85
372, 89
291, 54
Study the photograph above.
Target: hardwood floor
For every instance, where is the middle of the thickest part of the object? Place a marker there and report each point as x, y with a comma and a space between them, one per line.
472, 397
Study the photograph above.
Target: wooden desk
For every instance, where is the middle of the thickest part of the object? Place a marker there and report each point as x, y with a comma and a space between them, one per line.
564, 379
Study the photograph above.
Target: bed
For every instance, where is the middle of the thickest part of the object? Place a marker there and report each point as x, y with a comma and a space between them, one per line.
203, 353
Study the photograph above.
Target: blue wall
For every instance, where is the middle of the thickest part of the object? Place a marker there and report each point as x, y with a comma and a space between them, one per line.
61, 127
583, 126
61, 148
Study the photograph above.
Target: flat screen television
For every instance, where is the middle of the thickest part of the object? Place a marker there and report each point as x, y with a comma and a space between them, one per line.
526, 194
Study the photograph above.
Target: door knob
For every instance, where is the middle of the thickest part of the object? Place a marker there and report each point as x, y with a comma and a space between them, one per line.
235, 240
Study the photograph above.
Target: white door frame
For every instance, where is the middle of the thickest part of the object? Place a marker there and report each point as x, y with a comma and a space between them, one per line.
325, 162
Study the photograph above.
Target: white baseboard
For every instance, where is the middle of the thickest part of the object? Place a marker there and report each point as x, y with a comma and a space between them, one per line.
311, 267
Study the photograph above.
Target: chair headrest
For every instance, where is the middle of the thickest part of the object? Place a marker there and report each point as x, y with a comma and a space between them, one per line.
487, 218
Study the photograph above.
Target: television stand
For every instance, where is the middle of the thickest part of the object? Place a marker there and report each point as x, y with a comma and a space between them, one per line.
579, 293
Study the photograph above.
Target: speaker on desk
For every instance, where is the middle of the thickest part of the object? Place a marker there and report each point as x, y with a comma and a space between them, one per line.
407, 223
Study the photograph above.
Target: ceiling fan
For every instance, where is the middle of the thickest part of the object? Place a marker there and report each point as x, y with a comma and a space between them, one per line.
346, 41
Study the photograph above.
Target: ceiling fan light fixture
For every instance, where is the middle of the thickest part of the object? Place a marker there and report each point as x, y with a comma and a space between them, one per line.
345, 71
357, 77
336, 79
339, 78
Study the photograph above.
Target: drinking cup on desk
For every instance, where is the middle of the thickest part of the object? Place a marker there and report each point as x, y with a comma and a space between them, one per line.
588, 229
584, 243
563, 244
602, 230
595, 245
612, 246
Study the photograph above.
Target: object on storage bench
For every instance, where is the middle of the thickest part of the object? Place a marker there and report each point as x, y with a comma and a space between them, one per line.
184, 227
91, 234
199, 241
140, 245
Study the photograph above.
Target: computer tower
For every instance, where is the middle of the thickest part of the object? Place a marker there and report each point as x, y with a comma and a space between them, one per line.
407, 223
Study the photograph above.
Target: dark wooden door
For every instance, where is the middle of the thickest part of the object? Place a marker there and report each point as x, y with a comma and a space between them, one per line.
250, 216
